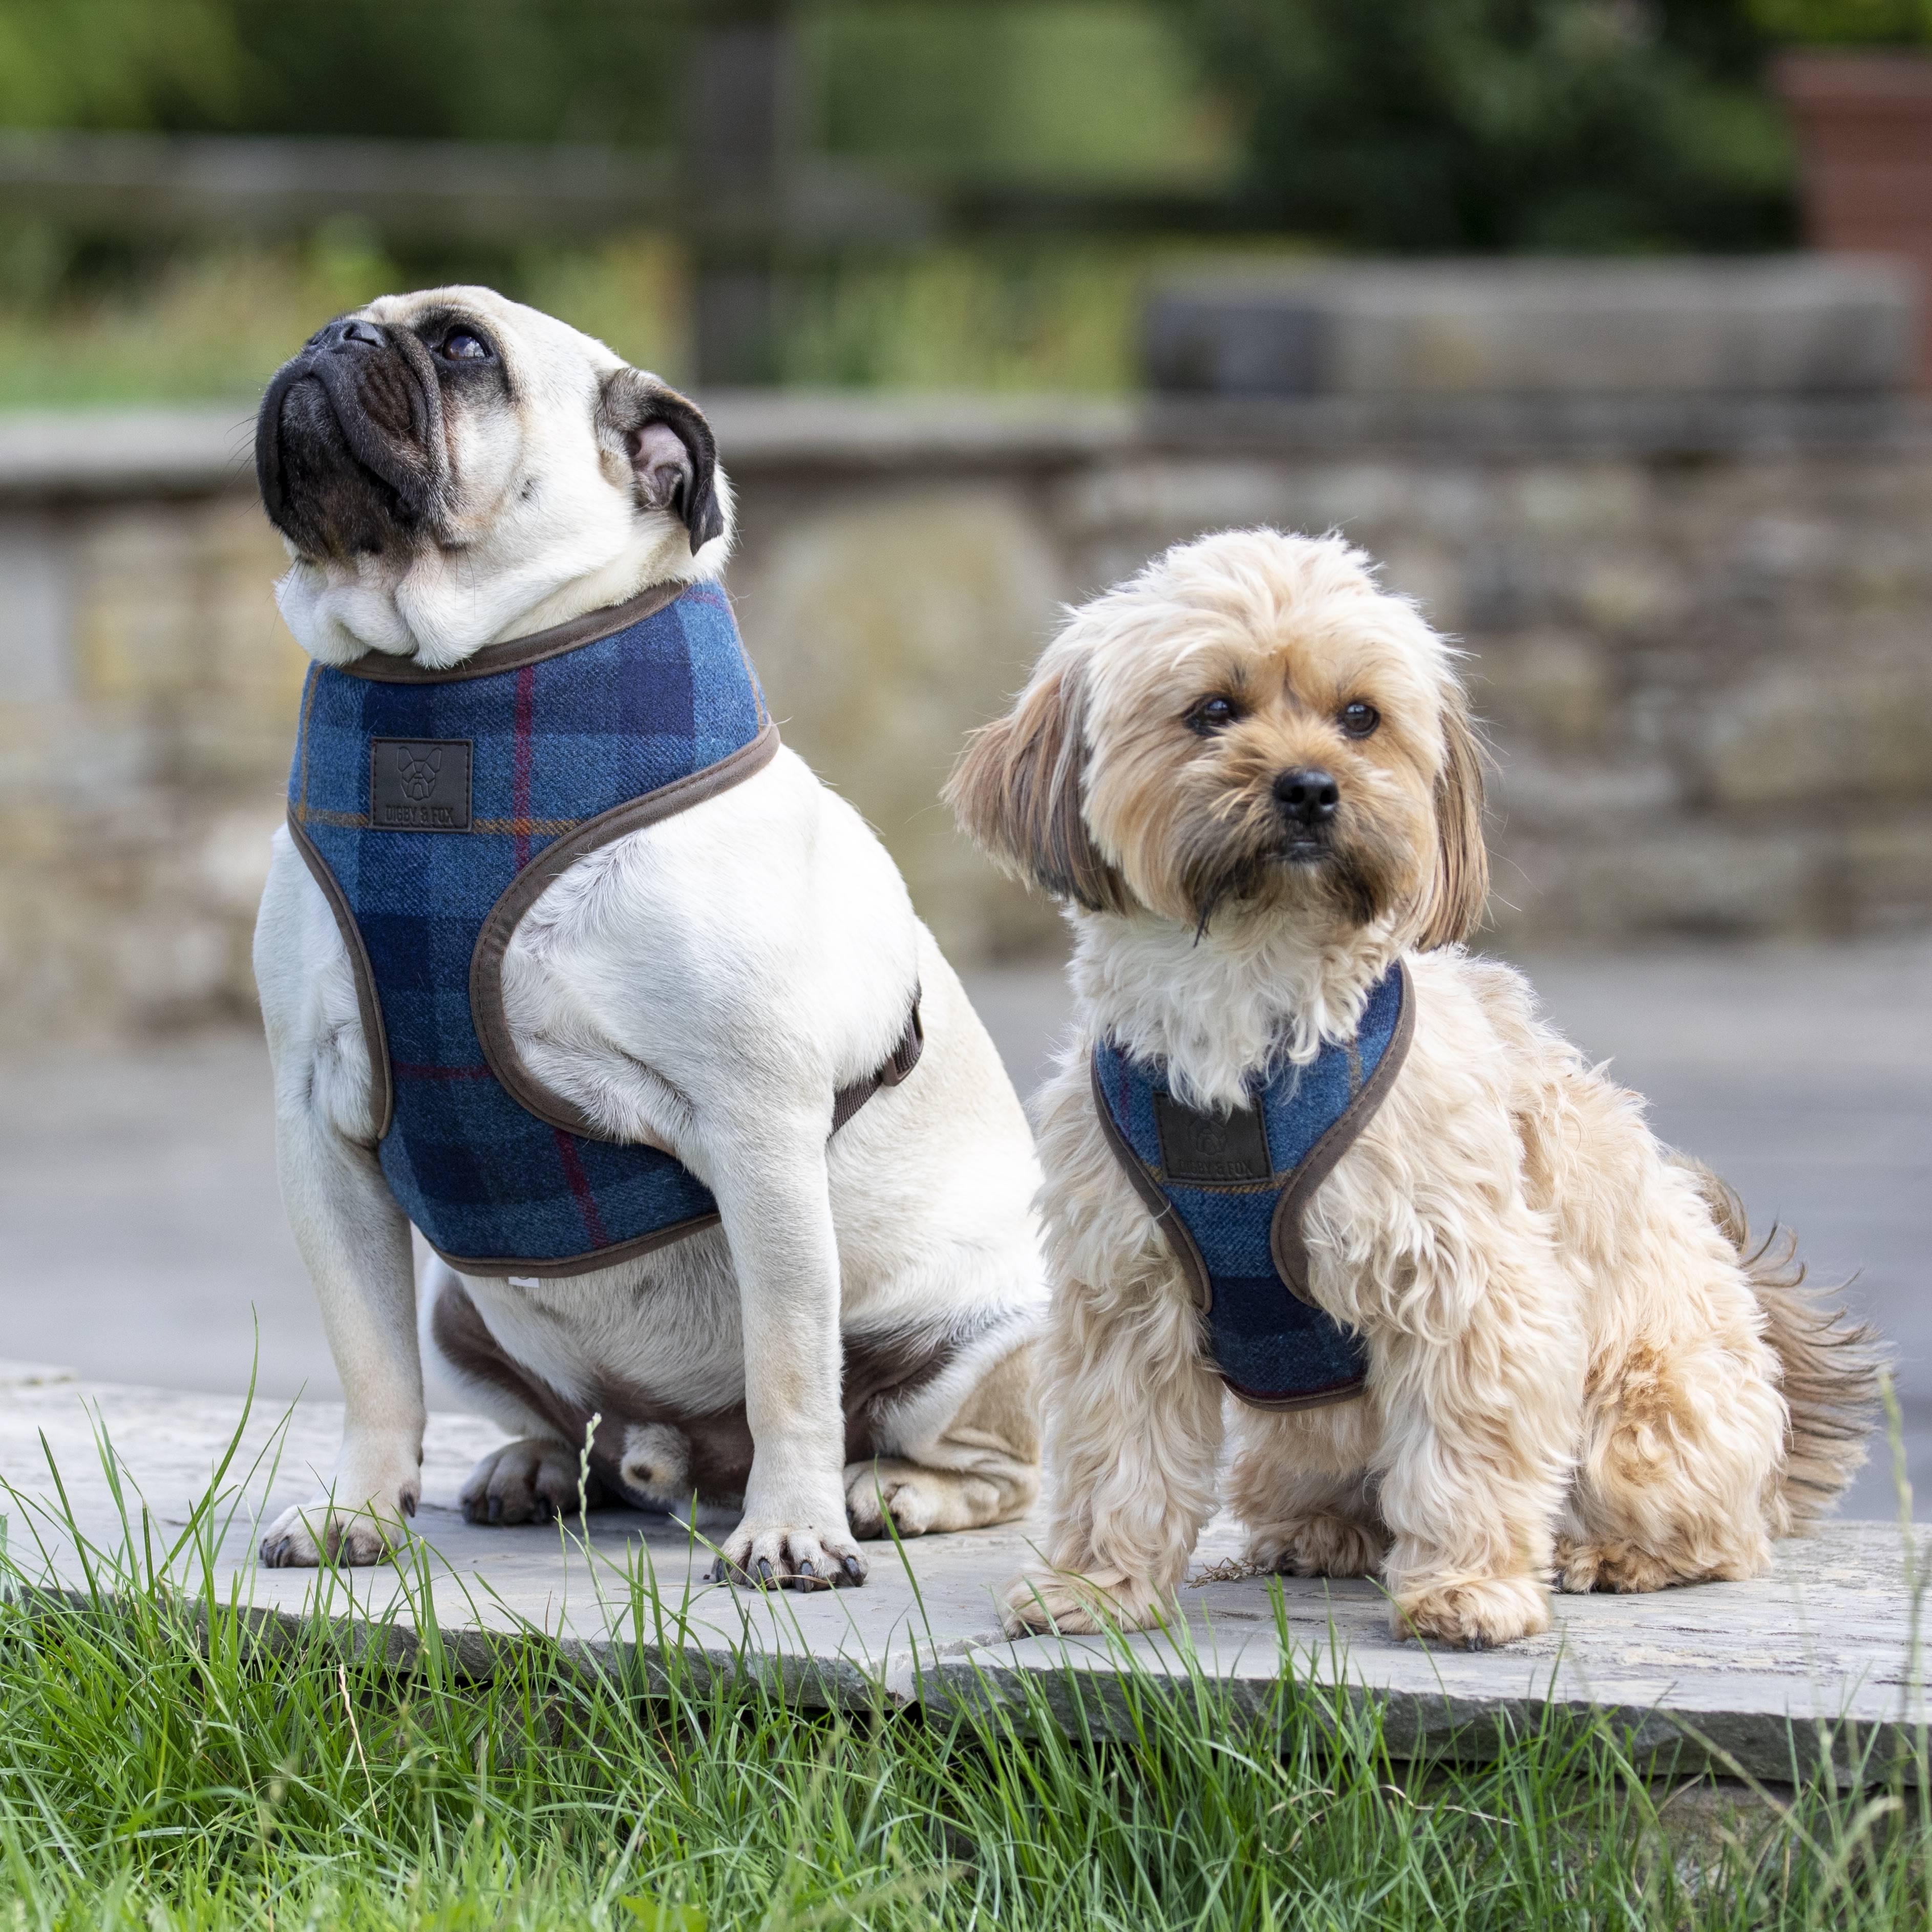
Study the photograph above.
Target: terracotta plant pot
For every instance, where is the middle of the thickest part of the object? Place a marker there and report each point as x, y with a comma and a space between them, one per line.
1864, 123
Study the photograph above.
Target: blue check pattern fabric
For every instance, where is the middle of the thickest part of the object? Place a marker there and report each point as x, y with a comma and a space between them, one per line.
1228, 1227
549, 745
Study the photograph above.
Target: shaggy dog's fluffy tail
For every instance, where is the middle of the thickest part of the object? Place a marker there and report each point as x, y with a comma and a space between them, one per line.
1831, 1364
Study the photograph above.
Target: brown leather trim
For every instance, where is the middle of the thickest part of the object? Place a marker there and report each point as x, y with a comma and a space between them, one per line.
380, 667
493, 941
898, 1064
1180, 1242
570, 1265
1285, 1241
1349, 1392
845, 1103
382, 1086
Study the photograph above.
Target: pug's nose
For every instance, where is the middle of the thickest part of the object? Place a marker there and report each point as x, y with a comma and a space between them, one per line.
1307, 796
351, 333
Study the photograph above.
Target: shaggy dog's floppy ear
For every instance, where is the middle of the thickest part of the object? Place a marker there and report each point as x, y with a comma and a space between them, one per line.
1016, 789
1460, 890
664, 437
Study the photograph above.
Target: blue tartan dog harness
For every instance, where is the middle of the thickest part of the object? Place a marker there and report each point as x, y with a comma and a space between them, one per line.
1229, 1191
433, 808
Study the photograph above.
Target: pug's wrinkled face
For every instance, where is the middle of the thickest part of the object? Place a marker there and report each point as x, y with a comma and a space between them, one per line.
449, 469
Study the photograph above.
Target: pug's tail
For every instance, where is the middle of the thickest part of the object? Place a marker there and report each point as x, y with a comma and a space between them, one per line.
1831, 1363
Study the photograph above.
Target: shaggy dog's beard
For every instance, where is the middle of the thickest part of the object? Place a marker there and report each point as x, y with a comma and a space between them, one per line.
1247, 858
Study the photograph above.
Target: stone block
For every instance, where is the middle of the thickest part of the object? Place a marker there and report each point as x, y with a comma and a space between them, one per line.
885, 630
1887, 870
1585, 502
1692, 880
1780, 325
1540, 792
1670, 653
1552, 689
1833, 727
1813, 1667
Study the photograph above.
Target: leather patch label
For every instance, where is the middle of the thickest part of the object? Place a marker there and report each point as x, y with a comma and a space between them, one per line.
419, 784
1213, 1149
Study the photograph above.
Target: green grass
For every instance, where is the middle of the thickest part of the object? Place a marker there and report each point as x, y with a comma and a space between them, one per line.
166, 1760
214, 324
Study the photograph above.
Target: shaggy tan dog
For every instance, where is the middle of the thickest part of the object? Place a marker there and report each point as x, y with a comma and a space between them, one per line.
1250, 773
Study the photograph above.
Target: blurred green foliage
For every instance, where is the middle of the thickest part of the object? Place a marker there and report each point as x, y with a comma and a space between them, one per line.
1078, 91
461, 69
1405, 125
1548, 125
1845, 23
118, 63
503, 70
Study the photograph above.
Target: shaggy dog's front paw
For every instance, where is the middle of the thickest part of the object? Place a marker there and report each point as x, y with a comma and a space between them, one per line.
1474, 1615
772, 1555
535, 1479
1317, 1546
1062, 1602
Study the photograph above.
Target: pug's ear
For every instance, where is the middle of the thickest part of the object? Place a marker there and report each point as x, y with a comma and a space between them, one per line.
664, 440
1018, 792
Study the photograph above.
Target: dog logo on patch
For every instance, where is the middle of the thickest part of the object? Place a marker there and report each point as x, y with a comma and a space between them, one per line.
1211, 1150
419, 771
418, 785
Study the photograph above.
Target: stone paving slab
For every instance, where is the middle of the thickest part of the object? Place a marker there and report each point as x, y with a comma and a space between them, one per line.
1828, 1637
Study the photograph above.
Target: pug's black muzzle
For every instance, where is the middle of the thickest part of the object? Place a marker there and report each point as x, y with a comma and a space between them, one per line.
348, 445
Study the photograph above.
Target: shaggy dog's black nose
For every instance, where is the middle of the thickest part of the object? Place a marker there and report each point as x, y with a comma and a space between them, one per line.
1306, 796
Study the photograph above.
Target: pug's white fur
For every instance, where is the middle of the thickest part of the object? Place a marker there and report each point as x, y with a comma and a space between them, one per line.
1577, 1365
704, 985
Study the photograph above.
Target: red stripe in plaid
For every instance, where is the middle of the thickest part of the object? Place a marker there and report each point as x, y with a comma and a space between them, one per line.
580, 1188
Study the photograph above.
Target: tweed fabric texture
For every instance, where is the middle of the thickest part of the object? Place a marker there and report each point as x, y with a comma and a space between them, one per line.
551, 745
1271, 1348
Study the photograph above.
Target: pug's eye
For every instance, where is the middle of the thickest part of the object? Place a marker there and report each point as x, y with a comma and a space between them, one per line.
1212, 715
464, 345
1358, 719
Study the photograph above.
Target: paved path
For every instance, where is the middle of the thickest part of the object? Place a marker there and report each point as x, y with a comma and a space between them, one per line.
1827, 1635
141, 1238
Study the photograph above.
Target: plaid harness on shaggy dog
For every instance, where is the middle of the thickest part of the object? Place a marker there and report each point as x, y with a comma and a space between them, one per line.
1229, 1191
433, 808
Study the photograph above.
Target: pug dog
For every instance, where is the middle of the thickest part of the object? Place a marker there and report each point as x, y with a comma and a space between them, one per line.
846, 1341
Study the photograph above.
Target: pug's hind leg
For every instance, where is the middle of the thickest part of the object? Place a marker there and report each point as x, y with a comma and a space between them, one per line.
535, 1480
974, 1463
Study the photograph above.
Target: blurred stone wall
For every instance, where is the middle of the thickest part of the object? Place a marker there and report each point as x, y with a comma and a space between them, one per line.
1708, 678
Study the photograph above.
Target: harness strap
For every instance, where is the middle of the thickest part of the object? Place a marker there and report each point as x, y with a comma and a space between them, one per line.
900, 1062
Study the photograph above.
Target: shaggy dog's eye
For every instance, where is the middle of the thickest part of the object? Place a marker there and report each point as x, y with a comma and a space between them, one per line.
1358, 719
465, 345
1212, 715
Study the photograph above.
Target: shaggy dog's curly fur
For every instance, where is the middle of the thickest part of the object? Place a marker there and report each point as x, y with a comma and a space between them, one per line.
1579, 1370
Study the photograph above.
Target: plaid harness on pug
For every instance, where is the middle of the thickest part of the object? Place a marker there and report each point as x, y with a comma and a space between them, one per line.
434, 808
1229, 1191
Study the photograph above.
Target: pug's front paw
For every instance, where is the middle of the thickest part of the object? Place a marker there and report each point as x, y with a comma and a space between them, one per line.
361, 1517
776, 1556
